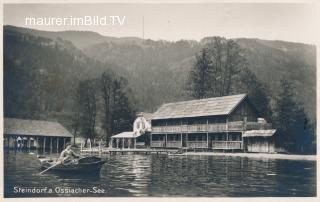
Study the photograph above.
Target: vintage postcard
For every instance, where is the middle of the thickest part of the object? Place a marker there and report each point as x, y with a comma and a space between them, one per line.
141, 99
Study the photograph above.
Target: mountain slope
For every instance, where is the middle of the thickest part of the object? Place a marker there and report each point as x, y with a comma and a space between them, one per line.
79, 39
157, 70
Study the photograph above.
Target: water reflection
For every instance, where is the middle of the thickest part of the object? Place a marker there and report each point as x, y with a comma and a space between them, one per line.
162, 175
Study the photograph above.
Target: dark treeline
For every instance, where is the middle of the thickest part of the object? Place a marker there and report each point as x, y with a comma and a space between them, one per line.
110, 95
221, 69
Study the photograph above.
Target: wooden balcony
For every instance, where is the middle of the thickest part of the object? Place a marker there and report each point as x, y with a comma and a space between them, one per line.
236, 126
173, 144
197, 144
158, 144
219, 127
226, 144
258, 126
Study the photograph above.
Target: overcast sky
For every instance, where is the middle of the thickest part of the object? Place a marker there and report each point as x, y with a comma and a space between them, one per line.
289, 22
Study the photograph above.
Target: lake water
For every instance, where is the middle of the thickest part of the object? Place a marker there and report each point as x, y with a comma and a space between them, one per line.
162, 175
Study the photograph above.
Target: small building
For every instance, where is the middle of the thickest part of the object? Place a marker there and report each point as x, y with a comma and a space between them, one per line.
217, 123
34, 134
139, 137
262, 141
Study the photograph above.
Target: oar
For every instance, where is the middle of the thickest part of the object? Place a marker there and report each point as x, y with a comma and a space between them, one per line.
50, 167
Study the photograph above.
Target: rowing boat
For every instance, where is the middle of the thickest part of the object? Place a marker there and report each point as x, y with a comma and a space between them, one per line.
83, 165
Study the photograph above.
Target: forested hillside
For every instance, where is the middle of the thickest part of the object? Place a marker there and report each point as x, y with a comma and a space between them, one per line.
43, 69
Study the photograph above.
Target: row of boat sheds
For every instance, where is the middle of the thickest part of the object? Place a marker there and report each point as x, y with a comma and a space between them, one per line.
229, 123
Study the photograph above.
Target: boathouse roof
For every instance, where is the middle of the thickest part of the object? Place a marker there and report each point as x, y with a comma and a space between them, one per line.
196, 108
259, 133
13, 126
127, 135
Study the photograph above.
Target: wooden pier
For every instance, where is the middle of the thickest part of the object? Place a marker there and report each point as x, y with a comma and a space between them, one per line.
114, 151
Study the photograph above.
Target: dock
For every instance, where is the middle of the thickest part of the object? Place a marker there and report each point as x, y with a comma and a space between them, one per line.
115, 151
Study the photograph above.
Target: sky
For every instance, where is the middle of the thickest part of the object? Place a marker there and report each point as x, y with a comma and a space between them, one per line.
271, 21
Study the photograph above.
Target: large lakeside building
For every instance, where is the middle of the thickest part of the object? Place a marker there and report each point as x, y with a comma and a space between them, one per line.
220, 123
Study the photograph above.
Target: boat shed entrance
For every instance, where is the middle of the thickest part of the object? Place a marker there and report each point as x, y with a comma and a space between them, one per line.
34, 134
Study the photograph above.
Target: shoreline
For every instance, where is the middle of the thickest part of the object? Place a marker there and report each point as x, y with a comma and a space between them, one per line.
254, 155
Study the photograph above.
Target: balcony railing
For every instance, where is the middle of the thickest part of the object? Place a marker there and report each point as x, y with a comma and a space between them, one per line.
258, 126
226, 144
197, 144
219, 127
173, 144
158, 144
235, 126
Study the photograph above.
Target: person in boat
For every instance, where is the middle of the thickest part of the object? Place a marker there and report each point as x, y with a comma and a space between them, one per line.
68, 155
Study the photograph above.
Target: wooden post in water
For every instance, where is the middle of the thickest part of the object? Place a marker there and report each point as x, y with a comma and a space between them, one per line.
207, 141
135, 142
44, 145
57, 145
64, 143
51, 145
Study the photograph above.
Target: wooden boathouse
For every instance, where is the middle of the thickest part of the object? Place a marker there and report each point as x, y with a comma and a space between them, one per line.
262, 141
217, 123
139, 137
34, 134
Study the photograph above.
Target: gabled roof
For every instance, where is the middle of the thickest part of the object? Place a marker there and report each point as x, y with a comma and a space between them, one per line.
259, 133
127, 135
146, 115
13, 126
196, 108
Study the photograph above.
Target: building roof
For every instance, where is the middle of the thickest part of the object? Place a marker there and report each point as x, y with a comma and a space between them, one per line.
196, 108
146, 115
259, 133
15, 126
127, 135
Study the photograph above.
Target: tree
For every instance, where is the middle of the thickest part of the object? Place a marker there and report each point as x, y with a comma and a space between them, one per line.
106, 86
76, 112
123, 110
87, 101
257, 91
291, 120
200, 75
118, 113
214, 71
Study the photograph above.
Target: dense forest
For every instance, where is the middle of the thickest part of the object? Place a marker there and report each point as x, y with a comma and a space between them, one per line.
77, 78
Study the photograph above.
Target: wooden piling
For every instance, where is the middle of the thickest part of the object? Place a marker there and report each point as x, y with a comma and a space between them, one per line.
44, 144
57, 144
51, 145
